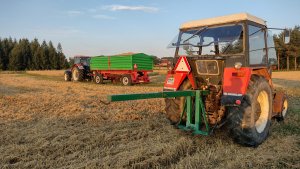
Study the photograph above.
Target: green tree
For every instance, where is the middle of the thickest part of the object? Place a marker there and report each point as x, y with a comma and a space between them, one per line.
62, 58
45, 64
7, 46
16, 59
34, 47
53, 57
288, 54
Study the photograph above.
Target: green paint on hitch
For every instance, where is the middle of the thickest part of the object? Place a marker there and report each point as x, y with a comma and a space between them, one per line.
166, 94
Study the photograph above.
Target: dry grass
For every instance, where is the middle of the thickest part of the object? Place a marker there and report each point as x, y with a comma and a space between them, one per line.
55, 73
48, 123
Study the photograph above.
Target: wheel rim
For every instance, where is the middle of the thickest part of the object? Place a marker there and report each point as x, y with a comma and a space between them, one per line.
97, 79
75, 75
125, 80
285, 107
66, 77
263, 101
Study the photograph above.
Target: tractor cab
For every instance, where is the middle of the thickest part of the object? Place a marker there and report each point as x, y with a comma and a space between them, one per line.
84, 60
210, 45
80, 70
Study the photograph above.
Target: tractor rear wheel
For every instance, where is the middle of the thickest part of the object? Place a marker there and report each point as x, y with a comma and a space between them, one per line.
249, 123
174, 106
77, 74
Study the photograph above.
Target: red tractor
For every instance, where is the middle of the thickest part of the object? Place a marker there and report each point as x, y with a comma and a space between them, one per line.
232, 58
222, 76
80, 71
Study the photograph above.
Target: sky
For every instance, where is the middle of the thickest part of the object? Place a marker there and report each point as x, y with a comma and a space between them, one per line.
108, 27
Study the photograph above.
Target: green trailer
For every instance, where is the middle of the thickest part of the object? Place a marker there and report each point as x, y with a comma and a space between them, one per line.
128, 68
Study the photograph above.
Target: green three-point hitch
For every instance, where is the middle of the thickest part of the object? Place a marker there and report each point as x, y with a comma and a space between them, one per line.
196, 118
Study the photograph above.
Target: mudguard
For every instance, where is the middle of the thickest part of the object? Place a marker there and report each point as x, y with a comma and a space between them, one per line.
235, 84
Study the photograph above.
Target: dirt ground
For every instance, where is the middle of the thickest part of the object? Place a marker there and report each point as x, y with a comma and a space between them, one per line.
48, 123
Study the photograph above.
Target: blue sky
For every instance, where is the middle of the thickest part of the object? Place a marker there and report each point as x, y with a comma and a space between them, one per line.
97, 27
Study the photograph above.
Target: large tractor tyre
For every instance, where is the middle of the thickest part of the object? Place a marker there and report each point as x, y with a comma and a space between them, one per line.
284, 109
126, 80
249, 123
77, 74
174, 106
68, 76
98, 79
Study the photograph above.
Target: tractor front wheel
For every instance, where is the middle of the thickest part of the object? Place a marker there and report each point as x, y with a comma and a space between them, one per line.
249, 123
68, 76
284, 109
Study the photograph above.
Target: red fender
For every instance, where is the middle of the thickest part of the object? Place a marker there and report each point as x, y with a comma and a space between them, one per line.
236, 81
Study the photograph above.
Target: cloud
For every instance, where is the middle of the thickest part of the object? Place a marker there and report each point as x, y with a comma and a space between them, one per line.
103, 17
74, 13
130, 8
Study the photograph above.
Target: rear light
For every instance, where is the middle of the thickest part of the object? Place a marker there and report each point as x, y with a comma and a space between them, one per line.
238, 102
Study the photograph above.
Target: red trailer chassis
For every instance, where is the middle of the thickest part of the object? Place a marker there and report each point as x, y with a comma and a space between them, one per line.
134, 76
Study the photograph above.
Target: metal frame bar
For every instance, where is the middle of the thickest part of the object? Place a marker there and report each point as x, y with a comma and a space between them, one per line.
199, 114
200, 118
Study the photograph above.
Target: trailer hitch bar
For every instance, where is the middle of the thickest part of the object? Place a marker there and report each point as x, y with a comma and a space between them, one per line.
196, 119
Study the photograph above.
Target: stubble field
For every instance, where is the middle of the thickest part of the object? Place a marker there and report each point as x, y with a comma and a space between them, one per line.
48, 123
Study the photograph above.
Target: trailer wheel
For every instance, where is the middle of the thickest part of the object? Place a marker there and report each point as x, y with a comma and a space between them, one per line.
68, 76
284, 109
77, 74
98, 79
126, 80
249, 123
175, 106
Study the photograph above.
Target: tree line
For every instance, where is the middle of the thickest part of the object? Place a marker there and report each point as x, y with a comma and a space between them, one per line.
31, 55
288, 55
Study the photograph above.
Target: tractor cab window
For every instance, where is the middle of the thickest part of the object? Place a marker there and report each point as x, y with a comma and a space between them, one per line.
84, 60
257, 48
219, 40
271, 49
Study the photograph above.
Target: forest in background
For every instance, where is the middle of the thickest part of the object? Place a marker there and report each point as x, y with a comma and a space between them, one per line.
31, 55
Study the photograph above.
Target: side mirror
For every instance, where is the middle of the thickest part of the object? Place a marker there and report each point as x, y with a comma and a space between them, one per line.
286, 37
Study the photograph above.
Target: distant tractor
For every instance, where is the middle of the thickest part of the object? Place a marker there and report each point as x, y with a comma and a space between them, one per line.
80, 71
222, 76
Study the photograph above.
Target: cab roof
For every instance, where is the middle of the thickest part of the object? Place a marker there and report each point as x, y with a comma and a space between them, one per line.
222, 20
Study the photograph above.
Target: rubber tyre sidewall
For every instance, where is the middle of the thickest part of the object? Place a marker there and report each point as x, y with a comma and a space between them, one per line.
242, 119
281, 117
67, 76
79, 74
174, 106
129, 80
100, 80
